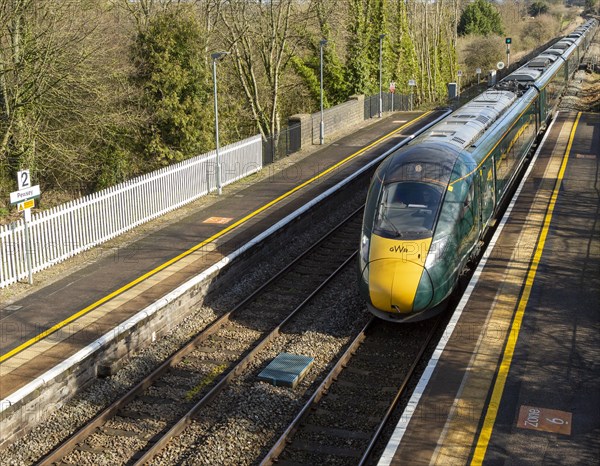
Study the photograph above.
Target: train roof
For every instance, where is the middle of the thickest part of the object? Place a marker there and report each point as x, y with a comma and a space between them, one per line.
539, 69
429, 161
553, 51
548, 56
525, 75
562, 45
541, 62
463, 126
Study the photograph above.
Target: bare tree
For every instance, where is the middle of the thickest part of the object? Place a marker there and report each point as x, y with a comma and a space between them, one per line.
59, 88
262, 37
37, 41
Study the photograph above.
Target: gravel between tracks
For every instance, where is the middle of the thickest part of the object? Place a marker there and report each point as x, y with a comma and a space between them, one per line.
583, 92
99, 394
242, 423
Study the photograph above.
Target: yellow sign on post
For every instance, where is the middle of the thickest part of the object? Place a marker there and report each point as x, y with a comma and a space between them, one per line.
28, 204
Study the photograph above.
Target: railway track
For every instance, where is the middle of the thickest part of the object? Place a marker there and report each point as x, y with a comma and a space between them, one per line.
344, 418
160, 406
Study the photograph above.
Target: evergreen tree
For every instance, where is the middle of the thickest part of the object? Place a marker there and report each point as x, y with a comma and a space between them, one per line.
358, 62
406, 66
173, 72
309, 69
480, 18
538, 8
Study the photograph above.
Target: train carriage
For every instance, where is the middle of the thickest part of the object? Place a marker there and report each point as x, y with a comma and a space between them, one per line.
431, 202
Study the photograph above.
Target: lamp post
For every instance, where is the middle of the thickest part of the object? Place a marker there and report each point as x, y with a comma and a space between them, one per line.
217, 56
381, 37
322, 44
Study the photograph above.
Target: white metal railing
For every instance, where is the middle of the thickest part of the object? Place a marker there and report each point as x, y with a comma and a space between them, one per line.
68, 229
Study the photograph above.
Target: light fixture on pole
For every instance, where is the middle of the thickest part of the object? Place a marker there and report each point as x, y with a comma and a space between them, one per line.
322, 44
381, 37
217, 56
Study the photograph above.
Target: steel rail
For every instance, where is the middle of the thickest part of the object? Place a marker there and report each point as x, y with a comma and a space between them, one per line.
224, 382
68, 445
399, 393
279, 446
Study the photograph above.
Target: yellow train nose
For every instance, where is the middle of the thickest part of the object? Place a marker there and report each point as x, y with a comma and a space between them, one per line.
395, 270
393, 284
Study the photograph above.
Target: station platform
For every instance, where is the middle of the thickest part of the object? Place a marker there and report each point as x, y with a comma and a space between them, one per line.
516, 377
47, 326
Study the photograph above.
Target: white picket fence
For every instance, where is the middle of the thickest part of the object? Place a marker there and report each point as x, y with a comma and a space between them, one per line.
68, 229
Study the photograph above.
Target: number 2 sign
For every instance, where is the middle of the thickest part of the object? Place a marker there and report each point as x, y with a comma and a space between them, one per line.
24, 179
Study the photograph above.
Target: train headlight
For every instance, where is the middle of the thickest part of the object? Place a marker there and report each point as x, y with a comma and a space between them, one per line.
364, 248
364, 257
436, 251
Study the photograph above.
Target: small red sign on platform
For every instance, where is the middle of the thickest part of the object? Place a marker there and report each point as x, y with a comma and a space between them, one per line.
218, 220
547, 420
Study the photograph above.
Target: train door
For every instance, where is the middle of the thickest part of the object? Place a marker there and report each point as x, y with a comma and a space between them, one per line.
469, 226
542, 104
487, 196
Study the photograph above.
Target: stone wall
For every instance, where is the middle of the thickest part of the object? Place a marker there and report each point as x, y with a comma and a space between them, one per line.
305, 128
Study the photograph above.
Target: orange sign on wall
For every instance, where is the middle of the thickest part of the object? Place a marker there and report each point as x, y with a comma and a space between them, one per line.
218, 220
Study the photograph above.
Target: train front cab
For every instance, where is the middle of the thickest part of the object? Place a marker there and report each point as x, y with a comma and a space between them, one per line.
406, 271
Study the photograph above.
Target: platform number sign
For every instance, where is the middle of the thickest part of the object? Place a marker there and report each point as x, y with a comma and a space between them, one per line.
24, 179
24, 198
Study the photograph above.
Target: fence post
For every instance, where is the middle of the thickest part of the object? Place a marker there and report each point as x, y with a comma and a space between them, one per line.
27, 216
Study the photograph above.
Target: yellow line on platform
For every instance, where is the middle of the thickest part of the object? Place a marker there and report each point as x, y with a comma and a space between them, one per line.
494, 403
126, 287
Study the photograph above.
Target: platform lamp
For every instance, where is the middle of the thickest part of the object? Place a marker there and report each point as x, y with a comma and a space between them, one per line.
381, 37
322, 44
216, 57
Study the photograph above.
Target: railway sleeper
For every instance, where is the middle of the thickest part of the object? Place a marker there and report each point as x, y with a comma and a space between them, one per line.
337, 432
313, 447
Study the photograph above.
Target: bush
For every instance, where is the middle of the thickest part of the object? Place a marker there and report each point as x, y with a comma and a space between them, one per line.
539, 31
538, 8
170, 55
483, 52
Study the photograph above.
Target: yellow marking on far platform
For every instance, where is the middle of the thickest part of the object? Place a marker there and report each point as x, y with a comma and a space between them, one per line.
200, 245
496, 398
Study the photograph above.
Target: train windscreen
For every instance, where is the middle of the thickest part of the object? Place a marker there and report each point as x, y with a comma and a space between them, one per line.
408, 210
